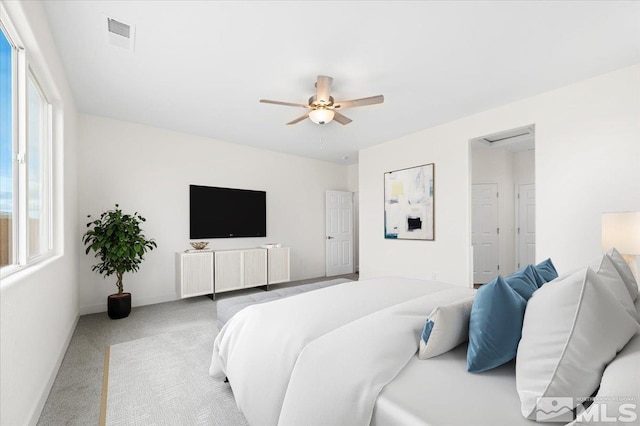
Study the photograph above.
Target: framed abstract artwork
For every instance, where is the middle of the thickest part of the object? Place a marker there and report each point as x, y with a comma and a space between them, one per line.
409, 203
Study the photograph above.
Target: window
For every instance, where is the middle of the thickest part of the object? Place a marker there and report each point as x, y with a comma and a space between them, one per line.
6, 151
25, 160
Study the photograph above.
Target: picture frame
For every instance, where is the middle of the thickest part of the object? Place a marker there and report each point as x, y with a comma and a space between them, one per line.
409, 203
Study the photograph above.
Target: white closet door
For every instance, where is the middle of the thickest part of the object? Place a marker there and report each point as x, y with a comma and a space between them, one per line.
526, 225
484, 232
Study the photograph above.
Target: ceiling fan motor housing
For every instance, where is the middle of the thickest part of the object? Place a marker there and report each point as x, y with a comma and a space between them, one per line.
314, 103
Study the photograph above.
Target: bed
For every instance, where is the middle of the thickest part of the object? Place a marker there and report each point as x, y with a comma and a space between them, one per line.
440, 391
346, 355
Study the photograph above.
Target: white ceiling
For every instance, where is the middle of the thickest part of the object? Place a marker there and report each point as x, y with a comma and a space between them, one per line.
200, 67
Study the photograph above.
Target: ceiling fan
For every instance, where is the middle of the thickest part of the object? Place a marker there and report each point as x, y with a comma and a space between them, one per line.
322, 107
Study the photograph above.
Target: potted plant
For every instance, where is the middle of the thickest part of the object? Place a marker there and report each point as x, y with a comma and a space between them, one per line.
120, 245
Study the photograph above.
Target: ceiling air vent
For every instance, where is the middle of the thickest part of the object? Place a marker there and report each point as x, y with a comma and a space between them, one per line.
120, 34
120, 28
509, 134
515, 140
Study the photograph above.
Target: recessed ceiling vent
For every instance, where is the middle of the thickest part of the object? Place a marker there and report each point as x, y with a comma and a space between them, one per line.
509, 134
520, 139
120, 34
120, 28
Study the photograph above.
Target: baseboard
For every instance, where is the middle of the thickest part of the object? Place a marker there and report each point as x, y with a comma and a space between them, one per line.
102, 307
93, 309
37, 411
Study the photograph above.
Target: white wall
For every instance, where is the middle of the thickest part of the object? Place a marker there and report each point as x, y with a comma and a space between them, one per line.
352, 177
587, 156
39, 306
149, 170
524, 167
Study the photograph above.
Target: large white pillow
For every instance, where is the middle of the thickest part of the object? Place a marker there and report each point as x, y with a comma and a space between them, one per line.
611, 278
619, 395
446, 327
572, 329
625, 272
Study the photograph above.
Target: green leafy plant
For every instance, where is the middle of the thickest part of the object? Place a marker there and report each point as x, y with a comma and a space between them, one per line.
118, 242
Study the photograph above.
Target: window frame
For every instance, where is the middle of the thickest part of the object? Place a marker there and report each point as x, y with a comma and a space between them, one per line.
22, 70
47, 147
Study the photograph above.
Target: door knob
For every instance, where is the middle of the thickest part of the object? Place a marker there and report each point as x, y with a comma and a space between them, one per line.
329, 238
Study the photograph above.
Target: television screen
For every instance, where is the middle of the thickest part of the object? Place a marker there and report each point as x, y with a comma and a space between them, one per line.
226, 212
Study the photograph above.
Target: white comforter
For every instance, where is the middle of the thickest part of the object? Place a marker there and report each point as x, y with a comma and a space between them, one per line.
321, 358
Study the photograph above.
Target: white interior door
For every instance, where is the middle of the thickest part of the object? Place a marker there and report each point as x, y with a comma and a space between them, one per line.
339, 233
526, 231
484, 232
356, 231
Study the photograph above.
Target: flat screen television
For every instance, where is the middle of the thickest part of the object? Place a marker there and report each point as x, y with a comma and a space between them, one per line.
226, 212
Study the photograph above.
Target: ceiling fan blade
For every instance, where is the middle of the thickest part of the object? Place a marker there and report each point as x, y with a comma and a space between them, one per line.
341, 118
299, 119
323, 89
267, 101
359, 102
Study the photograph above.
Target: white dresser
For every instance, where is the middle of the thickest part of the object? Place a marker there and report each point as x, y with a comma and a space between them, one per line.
218, 271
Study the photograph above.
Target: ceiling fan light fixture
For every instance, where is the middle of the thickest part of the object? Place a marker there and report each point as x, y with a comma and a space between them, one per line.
321, 115
321, 107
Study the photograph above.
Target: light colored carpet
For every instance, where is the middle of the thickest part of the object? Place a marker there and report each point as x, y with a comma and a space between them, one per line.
164, 380
74, 399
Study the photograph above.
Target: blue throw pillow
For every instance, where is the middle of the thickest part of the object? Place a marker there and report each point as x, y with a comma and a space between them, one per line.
546, 270
539, 279
495, 326
524, 281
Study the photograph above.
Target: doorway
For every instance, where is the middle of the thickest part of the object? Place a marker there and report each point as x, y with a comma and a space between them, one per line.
502, 181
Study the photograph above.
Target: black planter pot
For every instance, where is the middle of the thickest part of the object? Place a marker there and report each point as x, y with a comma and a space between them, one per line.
119, 305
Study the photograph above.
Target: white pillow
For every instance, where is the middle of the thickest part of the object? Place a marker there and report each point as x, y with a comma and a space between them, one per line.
572, 329
446, 327
611, 278
619, 394
625, 272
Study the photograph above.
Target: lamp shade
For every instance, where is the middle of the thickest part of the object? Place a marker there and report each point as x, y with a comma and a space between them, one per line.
321, 115
622, 231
